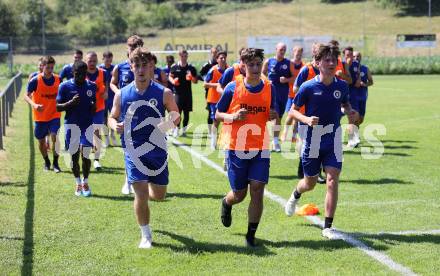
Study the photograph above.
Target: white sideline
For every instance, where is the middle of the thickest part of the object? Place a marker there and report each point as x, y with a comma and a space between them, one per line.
380, 257
411, 232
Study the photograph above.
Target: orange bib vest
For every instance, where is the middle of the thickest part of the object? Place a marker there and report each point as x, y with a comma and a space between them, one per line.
100, 89
46, 96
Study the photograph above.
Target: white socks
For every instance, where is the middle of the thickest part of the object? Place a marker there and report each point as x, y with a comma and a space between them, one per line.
145, 231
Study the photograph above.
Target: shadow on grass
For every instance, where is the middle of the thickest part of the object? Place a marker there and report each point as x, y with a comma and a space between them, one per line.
386, 153
196, 196
109, 170
393, 239
11, 238
28, 245
192, 246
381, 181
13, 184
398, 141
116, 198
284, 177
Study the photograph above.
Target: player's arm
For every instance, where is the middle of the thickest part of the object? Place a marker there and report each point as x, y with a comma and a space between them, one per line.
207, 82
346, 74
115, 79
294, 112
223, 106
273, 114
292, 73
265, 67
63, 105
115, 113
370, 78
31, 87
171, 107
193, 75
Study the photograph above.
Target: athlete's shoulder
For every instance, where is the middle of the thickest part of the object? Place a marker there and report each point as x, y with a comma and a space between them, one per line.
127, 88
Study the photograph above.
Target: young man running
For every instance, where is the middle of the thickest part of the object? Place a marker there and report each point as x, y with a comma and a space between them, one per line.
245, 107
211, 83
97, 75
297, 65
77, 97
41, 95
107, 66
203, 72
66, 72
359, 96
280, 72
181, 76
123, 76
159, 74
142, 100
323, 97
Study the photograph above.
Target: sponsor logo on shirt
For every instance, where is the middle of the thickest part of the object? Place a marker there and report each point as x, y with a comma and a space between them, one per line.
253, 109
319, 93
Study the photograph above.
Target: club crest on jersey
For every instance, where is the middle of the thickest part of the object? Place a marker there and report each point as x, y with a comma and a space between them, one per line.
337, 94
152, 102
362, 74
89, 93
284, 66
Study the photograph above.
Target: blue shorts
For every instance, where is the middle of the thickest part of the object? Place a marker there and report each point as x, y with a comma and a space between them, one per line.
150, 169
109, 101
212, 109
243, 170
98, 118
359, 105
289, 104
82, 137
42, 129
326, 158
281, 101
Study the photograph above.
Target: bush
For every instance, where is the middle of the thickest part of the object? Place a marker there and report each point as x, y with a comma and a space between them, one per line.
403, 65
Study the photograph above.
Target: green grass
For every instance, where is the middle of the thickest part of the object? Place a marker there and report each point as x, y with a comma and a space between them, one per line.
51, 231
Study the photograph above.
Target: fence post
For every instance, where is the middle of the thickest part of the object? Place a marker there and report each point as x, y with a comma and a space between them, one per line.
1, 126
4, 114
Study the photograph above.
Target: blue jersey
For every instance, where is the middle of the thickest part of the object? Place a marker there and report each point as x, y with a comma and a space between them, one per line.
157, 74
32, 84
125, 75
66, 72
227, 76
303, 75
277, 69
167, 73
226, 99
81, 114
147, 109
361, 93
33, 74
324, 102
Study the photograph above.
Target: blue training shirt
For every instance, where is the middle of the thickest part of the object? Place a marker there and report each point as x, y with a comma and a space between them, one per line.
277, 69
66, 72
361, 93
125, 75
209, 75
81, 114
147, 108
227, 76
324, 102
302, 76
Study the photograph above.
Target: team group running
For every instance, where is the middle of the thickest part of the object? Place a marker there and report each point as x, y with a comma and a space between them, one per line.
144, 104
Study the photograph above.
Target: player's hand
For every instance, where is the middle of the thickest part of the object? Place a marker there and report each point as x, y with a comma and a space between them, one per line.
338, 73
312, 120
283, 80
363, 84
39, 107
349, 61
75, 100
358, 83
120, 128
273, 114
353, 116
176, 82
240, 115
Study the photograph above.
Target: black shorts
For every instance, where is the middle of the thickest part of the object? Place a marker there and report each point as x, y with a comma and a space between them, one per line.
184, 102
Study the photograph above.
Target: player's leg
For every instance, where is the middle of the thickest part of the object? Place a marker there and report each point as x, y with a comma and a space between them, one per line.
98, 122
86, 164
54, 127
41, 129
142, 212
76, 172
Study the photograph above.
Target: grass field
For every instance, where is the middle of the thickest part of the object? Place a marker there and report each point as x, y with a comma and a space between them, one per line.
46, 230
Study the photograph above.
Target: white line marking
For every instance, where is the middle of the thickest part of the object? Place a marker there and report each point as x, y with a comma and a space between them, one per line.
380, 257
411, 232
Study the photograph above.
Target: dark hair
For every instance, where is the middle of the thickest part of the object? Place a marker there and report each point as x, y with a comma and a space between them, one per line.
348, 48
135, 41
327, 50
79, 66
154, 58
170, 57
107, 54
140, 54
91, 53
47, 60
78, 52
249, 54
221, 53
183, 51
334, 43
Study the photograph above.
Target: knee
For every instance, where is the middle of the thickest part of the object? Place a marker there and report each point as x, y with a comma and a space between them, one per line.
157, 197
256, 190
332, 184
239, 196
